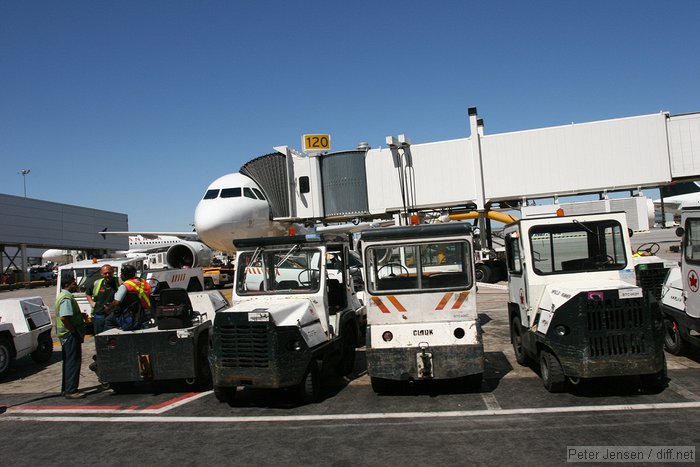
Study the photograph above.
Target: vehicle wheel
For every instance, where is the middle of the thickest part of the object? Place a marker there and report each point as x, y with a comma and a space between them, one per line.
44, 349
310, 387
673, 341
482, 273
382, 386
7, 356
203, 379
552, 373
347, 359
225, 394
516, 336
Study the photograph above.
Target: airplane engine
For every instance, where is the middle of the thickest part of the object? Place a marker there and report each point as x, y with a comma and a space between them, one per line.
188, 254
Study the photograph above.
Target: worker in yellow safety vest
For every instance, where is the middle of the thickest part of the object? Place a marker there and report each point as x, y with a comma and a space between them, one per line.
133, 289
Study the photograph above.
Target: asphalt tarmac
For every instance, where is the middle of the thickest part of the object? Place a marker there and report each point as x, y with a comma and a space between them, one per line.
510, 419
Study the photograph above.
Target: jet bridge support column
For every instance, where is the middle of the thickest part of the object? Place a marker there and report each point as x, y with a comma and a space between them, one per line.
477, 131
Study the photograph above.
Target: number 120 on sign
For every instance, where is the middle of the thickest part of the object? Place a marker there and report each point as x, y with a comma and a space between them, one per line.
316, 143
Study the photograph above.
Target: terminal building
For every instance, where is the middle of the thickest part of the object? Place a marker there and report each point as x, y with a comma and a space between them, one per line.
36, 224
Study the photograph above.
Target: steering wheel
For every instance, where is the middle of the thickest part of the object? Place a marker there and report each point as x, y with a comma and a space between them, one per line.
602, 260
313, 275
393, 266
646, 249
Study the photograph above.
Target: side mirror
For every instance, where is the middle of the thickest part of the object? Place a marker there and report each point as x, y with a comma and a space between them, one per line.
680, 231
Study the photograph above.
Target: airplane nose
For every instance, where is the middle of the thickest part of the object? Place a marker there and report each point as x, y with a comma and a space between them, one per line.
211, 225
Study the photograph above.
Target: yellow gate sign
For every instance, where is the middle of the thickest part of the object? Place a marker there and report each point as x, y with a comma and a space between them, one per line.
314, 144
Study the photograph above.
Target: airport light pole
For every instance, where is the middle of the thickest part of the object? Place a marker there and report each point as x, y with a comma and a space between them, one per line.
24, 173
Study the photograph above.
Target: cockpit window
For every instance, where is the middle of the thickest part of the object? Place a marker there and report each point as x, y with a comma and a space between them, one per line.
248, 193
211, 194
231, 193
258, 193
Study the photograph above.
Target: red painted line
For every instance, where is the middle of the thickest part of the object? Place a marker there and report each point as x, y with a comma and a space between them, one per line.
171, 401
70, 407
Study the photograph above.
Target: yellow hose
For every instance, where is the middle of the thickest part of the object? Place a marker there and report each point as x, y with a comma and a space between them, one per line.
493, 215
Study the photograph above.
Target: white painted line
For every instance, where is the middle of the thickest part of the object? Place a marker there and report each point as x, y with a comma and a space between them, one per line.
490, 401
363, 416
683, 391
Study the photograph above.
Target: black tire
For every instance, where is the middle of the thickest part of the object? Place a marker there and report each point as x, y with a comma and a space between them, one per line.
203, 378
44, 350
552, 373
382, 386
309, 390
225, 394
347, 358
482, 273
673, 340
7, 356
516, 337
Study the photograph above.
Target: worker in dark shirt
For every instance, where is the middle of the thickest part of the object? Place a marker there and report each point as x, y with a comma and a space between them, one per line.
100, 294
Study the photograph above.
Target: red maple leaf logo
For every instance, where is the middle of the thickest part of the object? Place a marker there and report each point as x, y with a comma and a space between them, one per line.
693, 281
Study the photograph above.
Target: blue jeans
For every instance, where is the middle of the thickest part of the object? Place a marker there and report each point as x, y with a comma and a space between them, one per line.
71, 353
98, 323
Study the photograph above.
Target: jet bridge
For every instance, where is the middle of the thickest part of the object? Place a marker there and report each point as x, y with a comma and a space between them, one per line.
484, 170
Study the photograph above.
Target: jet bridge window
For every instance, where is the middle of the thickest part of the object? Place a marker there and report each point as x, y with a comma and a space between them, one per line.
577, 247
692, 241
427, 266
231, 193
211, 194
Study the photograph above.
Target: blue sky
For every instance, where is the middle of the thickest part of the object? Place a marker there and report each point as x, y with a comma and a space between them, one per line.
136, 106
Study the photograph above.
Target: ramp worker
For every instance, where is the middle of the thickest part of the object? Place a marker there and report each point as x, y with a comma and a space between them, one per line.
100, 294
70, 328
131, 299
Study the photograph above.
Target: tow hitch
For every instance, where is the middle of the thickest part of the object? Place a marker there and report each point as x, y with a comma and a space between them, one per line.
424, 359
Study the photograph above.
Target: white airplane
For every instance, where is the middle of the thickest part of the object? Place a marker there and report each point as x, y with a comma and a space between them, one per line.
182, 248
679, 196
234, 207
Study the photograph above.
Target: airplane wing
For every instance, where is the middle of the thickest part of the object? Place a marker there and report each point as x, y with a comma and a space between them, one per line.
152, 235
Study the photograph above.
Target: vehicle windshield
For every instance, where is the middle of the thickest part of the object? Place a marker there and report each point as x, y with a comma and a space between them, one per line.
83, 276
424, 266
282, 270
577, 247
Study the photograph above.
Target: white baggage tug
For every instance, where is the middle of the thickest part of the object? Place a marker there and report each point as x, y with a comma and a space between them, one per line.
422, 322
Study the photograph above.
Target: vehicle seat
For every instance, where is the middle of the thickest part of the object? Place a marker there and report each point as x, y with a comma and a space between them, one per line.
336, 296
175, 309
284, 285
